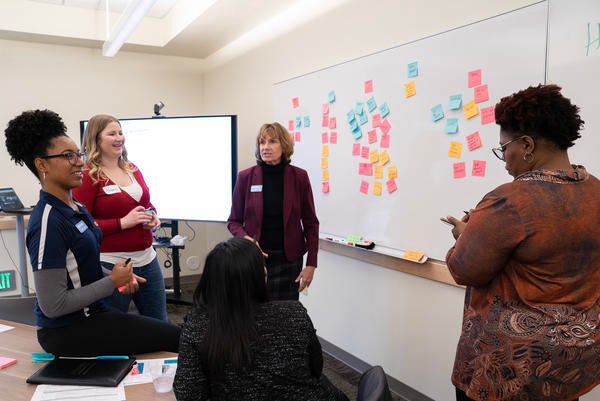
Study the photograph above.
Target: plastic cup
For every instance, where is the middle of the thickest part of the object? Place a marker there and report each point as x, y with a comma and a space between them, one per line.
162, 377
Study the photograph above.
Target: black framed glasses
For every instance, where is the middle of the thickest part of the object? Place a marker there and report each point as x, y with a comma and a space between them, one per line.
70, 156
499, 151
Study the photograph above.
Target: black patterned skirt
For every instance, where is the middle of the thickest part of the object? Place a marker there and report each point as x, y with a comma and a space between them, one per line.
281, 276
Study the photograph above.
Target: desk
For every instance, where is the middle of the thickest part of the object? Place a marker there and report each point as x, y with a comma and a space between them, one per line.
21, 341
20, 233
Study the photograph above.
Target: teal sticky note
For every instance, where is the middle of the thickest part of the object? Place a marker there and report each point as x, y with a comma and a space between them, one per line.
384, 110
371, 104
298, 122
363, 119
455, 102
354, 125
452, 126
357, 133
359, 108
350, 116
307, 121
437, 113
331, 97
413, 69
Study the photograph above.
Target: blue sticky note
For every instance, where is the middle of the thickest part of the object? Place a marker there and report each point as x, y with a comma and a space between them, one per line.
437, 113
357, 134
384, 110
359, 108
455, 102
371, 104
413, 69
354, 125
452, 126
307, 121
350, 116
298, 122
140, 366
331, 97
363, 119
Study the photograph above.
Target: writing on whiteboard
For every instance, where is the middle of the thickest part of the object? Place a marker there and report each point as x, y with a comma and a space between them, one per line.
591, 42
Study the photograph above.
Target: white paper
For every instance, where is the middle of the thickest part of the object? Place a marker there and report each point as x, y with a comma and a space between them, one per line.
50, 392
4, 328
146, 375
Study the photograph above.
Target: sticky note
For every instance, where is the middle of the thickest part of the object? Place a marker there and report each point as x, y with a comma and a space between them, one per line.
410, 89
325, 108
362, 118
331, 97
376, 120
356, 149
350, 116
369, 86
481, 93
415, 256
452, 126
325, 175
384, 110
297, 137
487, 115
473, 141
455, 102
364, 152
364, 187
307, 121
354, 125
357, 133
358, 109
385, 126
324, 137
5, 361
474, 78
298, 122
295, 102
470, 109
458, 170
324, 162
325, 187
478, 169
384, 157
455, 149
437, 113
392, 172
365, 169
291, 125
413, 69
372, 135
378, 172
385, 141
333, 137
377, 188
391, 185
332, 123
324, 150
371, 104
325, 121
374, 156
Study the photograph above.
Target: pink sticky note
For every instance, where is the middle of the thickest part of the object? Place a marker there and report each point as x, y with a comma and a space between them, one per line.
365, 169
332, 123
473, 141
295, 102
290, 125
297, 136
325, 187
474, 78
372, 136
364, 187
356, 149
459, 170
369, 86
481, 93
325, 109
376, 120
385, 126
478, 169
333, 137
391, 185
385, 141
325, 121
487, 115
324, 137
364, 152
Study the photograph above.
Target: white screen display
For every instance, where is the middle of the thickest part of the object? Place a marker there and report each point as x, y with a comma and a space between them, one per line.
189, 163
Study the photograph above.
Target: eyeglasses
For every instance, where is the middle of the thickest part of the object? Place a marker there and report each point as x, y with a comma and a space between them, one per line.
499, 152
70, 156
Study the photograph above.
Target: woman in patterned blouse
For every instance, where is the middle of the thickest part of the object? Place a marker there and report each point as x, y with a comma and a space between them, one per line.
529, 255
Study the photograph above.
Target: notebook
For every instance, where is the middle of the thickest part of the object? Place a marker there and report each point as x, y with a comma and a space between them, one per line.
83, 372
10, 202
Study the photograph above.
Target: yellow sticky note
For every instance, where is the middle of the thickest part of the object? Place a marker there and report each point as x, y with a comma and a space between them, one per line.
413, 255
410, 89
392, 172
377, 188
325, 175
374, 156
378, 172
324, 162
470, 109
384, 157
324, 150
455, 149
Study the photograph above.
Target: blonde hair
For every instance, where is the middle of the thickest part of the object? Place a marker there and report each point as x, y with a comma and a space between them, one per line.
91, 146
275, 130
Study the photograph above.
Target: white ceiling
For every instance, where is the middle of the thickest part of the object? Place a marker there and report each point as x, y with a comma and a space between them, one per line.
172, 27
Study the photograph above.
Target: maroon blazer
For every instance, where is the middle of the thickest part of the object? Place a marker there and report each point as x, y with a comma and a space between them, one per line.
300, 223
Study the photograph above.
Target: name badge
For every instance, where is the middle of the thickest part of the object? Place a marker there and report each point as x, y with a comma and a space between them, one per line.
256, 188
111, 189
81, 226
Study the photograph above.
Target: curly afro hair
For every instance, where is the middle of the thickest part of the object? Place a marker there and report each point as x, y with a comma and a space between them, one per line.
541, 111
28, 135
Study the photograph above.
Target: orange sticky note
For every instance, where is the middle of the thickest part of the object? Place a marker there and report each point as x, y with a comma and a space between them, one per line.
374, 156
392, 172
470, 109
325, 187
459, 170
410, 89
325, 150
378, 172
478, 169
384, 157
325, 175
377, 188
324, 163
473, 141
413, 255
455, 149
481, 93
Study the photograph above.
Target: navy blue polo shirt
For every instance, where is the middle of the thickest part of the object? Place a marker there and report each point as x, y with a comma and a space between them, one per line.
60, 238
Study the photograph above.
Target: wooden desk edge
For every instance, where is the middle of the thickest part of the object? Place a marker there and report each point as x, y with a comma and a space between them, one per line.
432, 269
7, 222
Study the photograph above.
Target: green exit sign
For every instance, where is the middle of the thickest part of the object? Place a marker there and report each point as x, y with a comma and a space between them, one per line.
7, 280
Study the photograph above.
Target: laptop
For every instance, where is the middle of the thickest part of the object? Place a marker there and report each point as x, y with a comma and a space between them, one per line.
10, 202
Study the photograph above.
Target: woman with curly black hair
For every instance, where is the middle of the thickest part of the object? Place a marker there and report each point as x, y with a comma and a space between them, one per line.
63, 245
529, 254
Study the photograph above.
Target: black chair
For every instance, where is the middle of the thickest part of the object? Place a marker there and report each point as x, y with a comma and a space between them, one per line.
373, 386
18, 309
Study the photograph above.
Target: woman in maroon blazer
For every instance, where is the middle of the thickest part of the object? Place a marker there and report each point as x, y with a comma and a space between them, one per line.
273, 205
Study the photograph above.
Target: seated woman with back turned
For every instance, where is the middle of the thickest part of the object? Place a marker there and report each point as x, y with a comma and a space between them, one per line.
237, 346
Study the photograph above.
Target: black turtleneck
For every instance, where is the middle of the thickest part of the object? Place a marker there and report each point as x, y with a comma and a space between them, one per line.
271, 236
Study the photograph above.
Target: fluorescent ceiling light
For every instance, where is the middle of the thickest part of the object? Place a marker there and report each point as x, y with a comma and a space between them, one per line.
134, 13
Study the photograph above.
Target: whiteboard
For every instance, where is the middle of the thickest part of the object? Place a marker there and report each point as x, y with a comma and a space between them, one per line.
509, 50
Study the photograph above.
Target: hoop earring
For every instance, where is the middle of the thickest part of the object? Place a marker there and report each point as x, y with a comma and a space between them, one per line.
528, 157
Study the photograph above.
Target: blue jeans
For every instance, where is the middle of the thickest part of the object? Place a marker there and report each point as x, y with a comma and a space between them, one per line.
150, 300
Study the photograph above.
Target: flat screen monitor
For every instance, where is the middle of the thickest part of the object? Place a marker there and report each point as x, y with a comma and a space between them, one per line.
189, 163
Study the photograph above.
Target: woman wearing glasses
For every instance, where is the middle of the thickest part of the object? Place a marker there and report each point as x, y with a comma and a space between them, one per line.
63, 243
529, 254
115, 193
